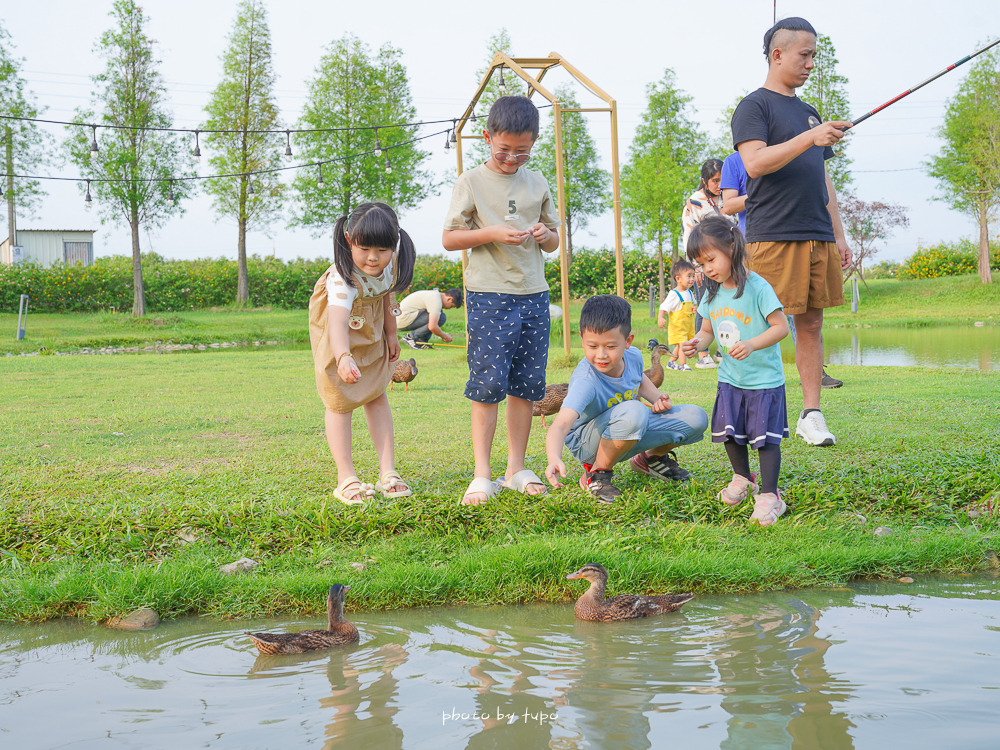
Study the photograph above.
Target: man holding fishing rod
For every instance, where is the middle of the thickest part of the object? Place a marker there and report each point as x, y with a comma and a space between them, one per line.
795, 238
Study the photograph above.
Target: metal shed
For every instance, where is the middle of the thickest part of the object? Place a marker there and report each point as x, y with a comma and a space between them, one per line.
48, 246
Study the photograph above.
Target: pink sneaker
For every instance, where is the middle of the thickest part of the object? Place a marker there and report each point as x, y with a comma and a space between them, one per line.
767, 507
738, 490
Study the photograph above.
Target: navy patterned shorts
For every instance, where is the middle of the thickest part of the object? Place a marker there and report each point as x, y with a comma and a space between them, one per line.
508, 346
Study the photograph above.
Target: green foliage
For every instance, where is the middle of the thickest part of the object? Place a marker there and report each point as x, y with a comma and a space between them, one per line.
133, 169
352, 87
954, 259
436, 272
968, 167
886, 269
826, 90
170, 285
24, 147
244, 101
587, 185
479, 152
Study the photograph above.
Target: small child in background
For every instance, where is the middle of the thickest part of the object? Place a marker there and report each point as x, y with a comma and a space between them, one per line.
678, 308
352, 330
741, 311
602, 420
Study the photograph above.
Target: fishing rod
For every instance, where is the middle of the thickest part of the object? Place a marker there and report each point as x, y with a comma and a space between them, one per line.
921, 85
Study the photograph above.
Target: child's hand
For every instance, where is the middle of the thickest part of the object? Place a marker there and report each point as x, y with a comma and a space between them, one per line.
662, 404
508, 235
394, 347
540, 232
741, 350
348, 370
690, 347
553, 471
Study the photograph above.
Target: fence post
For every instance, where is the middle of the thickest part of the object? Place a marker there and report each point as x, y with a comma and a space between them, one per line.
652, 300
22, 312
855, 295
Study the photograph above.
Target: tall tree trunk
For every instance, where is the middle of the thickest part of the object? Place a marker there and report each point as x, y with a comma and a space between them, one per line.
985, 275
138, 292
243, 282
9, 162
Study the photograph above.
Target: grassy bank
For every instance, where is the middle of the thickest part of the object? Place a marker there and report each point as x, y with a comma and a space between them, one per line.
126, 481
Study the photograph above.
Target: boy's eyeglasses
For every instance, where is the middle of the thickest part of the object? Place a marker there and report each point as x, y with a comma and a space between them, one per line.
506, 158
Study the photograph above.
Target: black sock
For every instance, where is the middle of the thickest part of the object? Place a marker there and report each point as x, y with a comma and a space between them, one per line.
770, 467
806, 412
739, 457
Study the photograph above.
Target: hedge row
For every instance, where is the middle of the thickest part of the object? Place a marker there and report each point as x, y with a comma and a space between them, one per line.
953, 259
173, 285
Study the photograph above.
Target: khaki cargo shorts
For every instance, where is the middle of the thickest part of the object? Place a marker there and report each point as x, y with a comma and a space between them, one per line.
804, 274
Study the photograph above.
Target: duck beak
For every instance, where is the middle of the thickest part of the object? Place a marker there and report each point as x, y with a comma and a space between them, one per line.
571, 576
346, 588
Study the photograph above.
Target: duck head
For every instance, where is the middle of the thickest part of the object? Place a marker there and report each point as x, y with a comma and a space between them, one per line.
592, 572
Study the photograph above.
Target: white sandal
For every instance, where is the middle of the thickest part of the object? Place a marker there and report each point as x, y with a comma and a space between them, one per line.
353, 497
520, 481
480, 486
388, 483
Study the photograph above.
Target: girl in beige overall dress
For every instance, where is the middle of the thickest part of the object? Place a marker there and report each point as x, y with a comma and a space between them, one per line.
352, 330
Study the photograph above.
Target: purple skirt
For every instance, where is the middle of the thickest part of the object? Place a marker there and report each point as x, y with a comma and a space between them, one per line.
749, 417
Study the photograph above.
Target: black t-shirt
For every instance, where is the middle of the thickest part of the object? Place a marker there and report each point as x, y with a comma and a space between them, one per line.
790, 204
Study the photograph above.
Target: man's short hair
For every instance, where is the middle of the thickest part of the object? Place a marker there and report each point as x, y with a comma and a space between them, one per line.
514, 115
680, 266
604, 312
785, 24
456, 296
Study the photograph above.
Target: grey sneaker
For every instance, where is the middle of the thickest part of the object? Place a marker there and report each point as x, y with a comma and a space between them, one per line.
410, 341
598, 483
828, 382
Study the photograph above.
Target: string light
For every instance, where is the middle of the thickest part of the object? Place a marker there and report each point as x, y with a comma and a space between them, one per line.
1, 191
388, 166
170, 193
503, 84
197, 147
93, 143
319, 182
250, 191
86, 199
378, 146
447, 141
454, 126
288, 146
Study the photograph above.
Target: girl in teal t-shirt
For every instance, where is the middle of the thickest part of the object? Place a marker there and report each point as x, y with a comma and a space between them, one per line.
741, 311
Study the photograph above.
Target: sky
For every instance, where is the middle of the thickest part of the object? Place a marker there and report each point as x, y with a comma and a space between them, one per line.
715, 50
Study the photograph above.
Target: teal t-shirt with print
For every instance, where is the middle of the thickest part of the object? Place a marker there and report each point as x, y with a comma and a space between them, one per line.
590, 392
739, 319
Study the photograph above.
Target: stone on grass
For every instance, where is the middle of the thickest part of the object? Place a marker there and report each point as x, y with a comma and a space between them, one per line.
883, 531
141, 619
358, 565
243, 565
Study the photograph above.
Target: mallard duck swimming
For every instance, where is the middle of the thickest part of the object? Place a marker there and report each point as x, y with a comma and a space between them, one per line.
338, 630
594, 607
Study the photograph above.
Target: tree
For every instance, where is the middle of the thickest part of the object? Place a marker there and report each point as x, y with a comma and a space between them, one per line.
137, 171
826, 90
351, 94
968, 167
587, 185
867, 224
244, 102
662, 171
25, 145
498, 42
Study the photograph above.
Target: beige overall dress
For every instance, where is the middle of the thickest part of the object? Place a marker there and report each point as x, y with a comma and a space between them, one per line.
368, 348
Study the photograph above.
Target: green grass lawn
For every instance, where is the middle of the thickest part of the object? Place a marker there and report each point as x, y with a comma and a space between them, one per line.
127, 480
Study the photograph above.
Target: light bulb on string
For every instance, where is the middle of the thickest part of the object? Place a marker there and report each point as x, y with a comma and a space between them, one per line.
388, 166
250, 190
93, 143
378, 146
503, 84
454, 126
447, 141
319, 182
288, 145
170, 194
197, 146
86, 199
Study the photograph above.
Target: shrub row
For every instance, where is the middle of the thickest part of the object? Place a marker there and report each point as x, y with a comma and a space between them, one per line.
174, 285
951, 259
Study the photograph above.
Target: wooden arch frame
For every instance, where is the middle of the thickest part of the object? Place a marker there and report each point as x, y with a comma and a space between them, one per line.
520, 66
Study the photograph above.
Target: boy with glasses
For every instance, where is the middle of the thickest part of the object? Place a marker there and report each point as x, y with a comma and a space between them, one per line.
503, 213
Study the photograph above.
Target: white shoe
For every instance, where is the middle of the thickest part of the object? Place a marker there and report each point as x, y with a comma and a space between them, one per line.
812, 428
705, 363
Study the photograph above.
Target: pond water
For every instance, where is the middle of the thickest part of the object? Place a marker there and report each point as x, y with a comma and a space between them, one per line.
870, 666
965, 347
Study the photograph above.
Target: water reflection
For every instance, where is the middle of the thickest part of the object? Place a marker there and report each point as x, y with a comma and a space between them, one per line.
942, 346
817, 669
